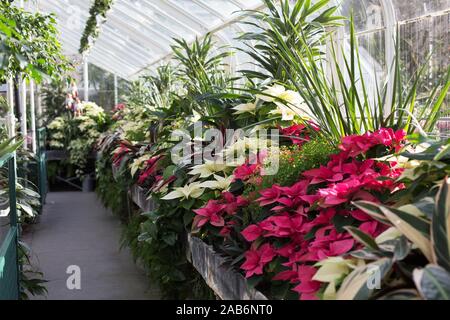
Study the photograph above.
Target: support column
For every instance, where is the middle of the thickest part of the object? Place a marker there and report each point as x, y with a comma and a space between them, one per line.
38, 104
32, 118
10, 118
86, 78
116, 91
23, 111
390, 48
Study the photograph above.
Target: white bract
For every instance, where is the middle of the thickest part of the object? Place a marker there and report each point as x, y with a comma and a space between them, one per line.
193, 190
220, 183
207, 169
245, 108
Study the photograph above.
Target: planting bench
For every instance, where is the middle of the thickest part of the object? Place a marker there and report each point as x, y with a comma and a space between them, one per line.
213, 267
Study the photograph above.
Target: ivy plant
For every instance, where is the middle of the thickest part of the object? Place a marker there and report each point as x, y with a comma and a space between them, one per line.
92, 30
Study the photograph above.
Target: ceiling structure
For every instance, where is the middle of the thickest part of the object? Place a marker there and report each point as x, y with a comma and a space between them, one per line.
138, 34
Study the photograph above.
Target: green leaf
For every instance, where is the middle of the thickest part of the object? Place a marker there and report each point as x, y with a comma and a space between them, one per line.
373, 210
363, 238
414, 228
401, 294
170, 238
169, 171
440, 226
433, 282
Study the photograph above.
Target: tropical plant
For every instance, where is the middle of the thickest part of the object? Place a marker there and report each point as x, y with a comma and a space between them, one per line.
54, 99
202, 72
341, 105
295, 23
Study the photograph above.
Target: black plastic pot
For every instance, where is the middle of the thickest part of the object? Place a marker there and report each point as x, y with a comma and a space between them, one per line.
88, 184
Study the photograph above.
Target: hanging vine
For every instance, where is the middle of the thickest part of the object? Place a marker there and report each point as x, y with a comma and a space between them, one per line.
92, 30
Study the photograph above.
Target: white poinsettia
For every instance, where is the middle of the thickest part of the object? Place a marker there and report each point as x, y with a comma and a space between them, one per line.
193, 190
207, 169
291, 104
271, 93
139, 163
221, 183
235, 153
245, 108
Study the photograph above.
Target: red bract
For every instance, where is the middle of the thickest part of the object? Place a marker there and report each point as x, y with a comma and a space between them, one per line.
211, 213
245, 171
256, 259
298, 133
304, 212
355, 145
215, 211
150, 170
307, 288
119, 154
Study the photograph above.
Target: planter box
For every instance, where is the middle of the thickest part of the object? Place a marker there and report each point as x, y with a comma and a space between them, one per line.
216, 271
139, 197
214, 268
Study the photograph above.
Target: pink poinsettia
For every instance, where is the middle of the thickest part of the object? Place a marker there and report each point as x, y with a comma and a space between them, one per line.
300, 225
245, 171
256, 259
150, 170
216, 211
119, 154
355, 145
298, 133
211, 213
307, 288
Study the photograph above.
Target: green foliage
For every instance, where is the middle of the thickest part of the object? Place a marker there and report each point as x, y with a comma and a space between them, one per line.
294, 160
203, 76
291, 22
112, 191
343, 105
54, 100
91, 31
78, 134
31, 280
29, 45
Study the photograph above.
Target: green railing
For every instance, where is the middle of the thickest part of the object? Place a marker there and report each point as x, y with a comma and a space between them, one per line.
9, 266
42, 164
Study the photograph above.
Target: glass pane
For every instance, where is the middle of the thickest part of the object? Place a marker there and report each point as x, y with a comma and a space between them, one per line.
198, 12
416, 8
420, 39
367, 14
226, 7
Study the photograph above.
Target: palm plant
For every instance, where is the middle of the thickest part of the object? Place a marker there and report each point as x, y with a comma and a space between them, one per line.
302, 21
203, 74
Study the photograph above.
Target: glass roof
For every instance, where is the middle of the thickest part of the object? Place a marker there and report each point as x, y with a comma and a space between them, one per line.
138, 33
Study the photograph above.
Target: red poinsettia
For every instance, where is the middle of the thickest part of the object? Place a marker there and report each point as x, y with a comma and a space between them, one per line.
119, 154
150, 169
256, 259
304, 215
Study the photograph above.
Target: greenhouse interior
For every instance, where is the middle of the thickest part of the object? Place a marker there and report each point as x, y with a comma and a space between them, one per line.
225, 150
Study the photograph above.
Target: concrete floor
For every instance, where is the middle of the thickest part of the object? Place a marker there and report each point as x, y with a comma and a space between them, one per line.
76, 230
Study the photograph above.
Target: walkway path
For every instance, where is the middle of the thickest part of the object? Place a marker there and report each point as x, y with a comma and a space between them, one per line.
75, 229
